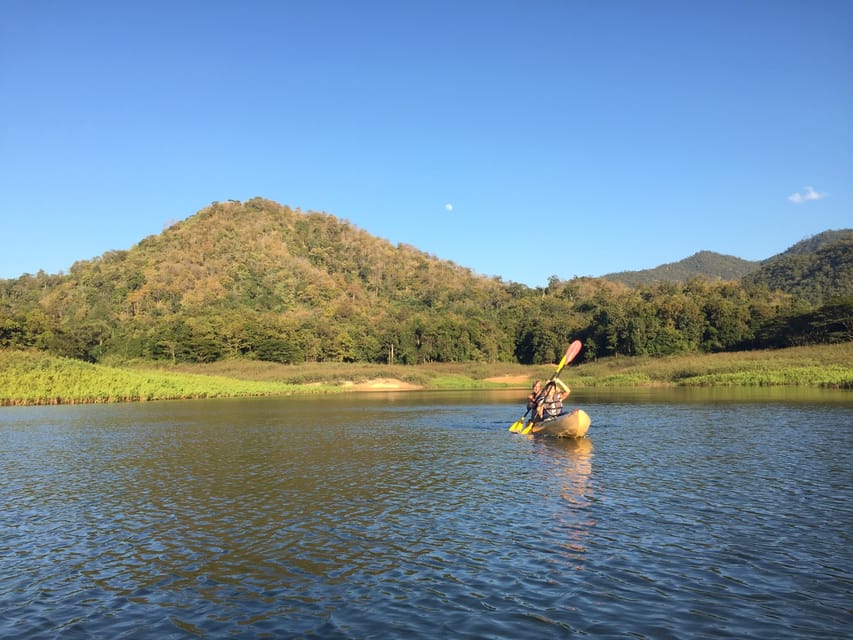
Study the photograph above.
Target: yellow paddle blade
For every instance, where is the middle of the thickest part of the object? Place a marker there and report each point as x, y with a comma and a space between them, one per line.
516, 426
527, 429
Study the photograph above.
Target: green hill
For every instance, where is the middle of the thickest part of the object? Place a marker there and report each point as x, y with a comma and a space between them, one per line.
816, 243
816, 269
259, 280
813, 270
704, 264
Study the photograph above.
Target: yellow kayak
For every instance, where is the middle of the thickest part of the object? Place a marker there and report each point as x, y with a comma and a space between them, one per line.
565, 425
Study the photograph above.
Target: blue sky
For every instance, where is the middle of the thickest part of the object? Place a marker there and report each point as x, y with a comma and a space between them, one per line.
521, 139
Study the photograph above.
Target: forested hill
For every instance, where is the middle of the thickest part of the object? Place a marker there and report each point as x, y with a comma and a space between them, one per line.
815, 269
816, 243
260, 280
706, 264
269, 257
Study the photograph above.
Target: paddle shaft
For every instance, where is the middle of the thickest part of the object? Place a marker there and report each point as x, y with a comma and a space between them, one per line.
571, 353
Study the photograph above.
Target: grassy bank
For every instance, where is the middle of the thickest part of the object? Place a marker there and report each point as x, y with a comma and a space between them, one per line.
28, 378
829, 366
36, 378
431, 376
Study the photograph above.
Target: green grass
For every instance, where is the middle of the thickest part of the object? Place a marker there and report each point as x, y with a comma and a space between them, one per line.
829, 366
437, 375
459, 381
36, 378
807, 376
28, 377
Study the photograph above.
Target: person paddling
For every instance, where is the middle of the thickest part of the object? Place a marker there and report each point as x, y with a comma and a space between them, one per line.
547, 403
532, 399
536, 400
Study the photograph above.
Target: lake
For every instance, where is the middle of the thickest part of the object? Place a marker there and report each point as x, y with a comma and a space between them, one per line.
684, 514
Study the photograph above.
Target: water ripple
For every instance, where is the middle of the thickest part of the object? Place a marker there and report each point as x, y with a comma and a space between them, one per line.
265, 519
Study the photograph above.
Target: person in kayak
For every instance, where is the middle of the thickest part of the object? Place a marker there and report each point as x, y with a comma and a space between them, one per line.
533, 398
547, 403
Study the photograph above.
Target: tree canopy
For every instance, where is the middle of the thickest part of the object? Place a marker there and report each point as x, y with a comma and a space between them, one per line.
261, 280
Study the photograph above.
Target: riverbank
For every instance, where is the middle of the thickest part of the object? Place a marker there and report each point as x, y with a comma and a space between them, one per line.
35, 378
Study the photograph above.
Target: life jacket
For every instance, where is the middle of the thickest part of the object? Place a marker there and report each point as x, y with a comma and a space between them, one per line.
551, 402
552, 407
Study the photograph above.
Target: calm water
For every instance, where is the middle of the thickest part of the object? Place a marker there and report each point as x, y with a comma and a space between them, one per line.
683, 515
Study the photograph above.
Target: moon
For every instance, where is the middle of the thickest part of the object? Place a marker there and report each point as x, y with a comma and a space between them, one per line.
448, 206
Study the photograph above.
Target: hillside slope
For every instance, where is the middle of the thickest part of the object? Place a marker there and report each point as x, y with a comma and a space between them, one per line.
258, 280
262, 280
815, 269
705, 264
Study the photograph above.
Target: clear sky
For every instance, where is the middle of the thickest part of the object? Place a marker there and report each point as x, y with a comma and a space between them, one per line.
520, 138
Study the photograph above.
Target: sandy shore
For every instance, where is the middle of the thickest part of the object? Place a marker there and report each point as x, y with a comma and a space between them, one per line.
382, 384
394, 384
519, 380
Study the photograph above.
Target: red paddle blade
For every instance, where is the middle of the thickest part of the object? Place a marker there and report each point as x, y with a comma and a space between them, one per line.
573, 351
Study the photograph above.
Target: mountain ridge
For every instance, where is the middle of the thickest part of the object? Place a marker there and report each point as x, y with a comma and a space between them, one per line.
815, 269
710, 264
260, 280
703, 263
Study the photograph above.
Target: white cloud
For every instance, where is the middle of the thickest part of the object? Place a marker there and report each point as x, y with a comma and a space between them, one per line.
448, 206
807, 194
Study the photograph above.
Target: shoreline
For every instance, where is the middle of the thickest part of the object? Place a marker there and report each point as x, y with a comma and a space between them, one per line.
32, 378
381, 384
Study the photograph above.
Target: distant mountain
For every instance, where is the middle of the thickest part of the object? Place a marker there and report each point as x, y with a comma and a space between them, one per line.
259, 280
815, 243
706, 264
815, 269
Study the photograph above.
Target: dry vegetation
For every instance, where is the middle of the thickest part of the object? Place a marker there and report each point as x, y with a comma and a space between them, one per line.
28, 377
817, 366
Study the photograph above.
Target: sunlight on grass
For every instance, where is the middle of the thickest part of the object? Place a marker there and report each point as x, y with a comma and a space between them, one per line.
35, 378
28, 377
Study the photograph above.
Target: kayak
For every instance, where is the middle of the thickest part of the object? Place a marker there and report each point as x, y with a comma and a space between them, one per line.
565, 425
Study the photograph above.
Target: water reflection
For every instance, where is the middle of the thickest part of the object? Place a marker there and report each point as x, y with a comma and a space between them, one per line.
570, 464
572, 467
421, 516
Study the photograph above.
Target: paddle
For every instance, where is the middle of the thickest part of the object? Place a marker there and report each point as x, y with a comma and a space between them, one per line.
518, 425
571, 353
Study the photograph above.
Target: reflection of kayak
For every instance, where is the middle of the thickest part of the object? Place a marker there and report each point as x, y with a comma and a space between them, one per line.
577, 450
565, 425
